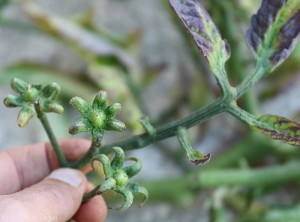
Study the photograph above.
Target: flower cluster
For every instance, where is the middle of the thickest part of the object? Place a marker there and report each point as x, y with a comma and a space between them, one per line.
96, 117
31, 94
117, 177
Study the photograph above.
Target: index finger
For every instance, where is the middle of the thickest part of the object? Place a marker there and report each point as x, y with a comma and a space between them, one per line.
23, 166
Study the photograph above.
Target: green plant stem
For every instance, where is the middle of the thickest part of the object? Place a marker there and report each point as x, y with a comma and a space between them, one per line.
90, 194
93, 150
250, 80
229, 177
42, 117
241, 114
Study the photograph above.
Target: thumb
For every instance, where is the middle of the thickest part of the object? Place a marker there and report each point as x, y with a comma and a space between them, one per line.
56, 198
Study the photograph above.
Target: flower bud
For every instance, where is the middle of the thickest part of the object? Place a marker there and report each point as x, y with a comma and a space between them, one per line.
115, 125
13, 101
82, 106
31, 94
113, 109
100, 100
25, 114
51, 90
80, 126
49, 106
18, 85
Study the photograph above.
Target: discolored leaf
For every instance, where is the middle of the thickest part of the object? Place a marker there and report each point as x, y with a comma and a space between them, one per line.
279, 128
193, 156
274, 31
205, 33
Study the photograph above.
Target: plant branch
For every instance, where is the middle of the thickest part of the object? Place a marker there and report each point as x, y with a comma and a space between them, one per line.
81, 162
42, 117
90, 194
243, 115
163, 132
250, 80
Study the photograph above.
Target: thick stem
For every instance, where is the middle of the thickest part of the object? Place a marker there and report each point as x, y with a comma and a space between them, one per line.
42, 117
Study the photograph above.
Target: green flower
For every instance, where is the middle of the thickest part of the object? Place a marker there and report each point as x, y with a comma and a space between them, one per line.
117, 177
96, 118
31, 94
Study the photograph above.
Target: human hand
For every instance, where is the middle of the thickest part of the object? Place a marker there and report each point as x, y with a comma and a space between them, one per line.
33, 188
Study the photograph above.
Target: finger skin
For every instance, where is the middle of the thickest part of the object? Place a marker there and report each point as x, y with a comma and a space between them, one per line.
94, 210
30, 164
25, 166
54, 197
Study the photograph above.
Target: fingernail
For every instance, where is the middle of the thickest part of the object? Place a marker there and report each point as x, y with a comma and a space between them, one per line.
69, 176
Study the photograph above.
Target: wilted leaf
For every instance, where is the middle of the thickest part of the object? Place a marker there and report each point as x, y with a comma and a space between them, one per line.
205, 33
279, 128
82, 39
274, 31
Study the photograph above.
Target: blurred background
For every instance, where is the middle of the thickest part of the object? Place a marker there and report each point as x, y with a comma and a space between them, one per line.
139, 52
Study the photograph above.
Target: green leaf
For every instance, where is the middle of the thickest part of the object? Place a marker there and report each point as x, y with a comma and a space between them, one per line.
279, 128
274, 31
205, 33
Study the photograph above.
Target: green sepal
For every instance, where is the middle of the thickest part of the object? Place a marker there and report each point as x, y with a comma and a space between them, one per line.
279, 128
12, 101
118, 160
50, 91
108, 184
100, 100
112, 109
115, 125
138, 189
81, 126
128, 198
50, 106
105, 162
25, 114
18, 85
134, 169
82, 106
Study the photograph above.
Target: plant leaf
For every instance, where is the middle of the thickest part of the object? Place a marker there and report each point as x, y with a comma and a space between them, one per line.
274, 31
279, 128
205, 33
